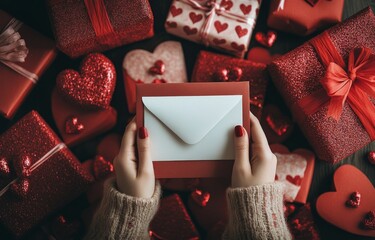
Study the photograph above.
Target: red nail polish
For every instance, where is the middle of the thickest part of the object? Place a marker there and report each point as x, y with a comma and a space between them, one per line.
142, 133
239, 131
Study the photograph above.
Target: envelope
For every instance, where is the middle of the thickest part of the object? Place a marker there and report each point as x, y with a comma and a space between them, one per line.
191, 126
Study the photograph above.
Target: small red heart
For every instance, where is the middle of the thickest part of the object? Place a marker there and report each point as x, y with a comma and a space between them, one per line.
201, 198
278, 122
190, 31
65, 229
171, 24
354, 200
232, 75
227, 4
101, 167
245, 9
218, 41
195, 17
296, 180
21, 165
220, 26
157, 80
20, 188
368, 221
175, 11
73, 125
240, 47
158, 68
4, 168
371, 157
241, 31
93, 87
266, 40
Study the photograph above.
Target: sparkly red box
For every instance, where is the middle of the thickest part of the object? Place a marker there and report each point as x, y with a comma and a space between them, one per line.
304, 17
210, 67
85, 26
17, 77
302, 77
38, 174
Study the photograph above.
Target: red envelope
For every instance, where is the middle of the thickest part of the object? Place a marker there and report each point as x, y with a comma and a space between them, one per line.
191, 126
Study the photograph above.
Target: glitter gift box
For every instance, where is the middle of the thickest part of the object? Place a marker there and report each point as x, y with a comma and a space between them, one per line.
300, 74
211, 67
226, 25
172, 221
303, 17
38, 174
86, 26
29, 55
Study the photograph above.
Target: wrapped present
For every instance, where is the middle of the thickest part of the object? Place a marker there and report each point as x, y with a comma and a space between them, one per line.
25, 55
80, 101
165, 65
38, 175
354, 198
301, 223
295, 170
329, 100
85, 26
172, 221
210, 67
225, 24
303, 17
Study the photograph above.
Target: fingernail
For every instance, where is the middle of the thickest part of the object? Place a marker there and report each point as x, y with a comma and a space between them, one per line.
239, 131
142, 133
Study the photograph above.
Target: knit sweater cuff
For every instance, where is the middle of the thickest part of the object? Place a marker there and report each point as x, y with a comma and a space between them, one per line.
123, 215
256, 212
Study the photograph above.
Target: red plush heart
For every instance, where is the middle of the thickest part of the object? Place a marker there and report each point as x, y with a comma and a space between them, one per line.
190, 31
220, 26
20, 188
241, 31
195, 17
201, 198
175, 11
4, 168
101, 167
266, 40
331, 205
245, 9
93, 86
296, 180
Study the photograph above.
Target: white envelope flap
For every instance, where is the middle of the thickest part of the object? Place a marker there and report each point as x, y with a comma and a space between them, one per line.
191, 117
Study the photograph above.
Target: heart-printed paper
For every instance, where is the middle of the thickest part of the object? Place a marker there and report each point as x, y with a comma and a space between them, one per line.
331, 206
294, 170
92, 86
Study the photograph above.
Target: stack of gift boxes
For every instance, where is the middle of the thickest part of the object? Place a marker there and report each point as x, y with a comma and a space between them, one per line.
328, 85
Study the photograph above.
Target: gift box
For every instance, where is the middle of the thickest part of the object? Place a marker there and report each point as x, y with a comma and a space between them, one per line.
80, 100
308, 75
81, 27
38, 174
303, 17
172, 221
165, 65
226, 25
302, 225
295, 171
28, 54
211, 67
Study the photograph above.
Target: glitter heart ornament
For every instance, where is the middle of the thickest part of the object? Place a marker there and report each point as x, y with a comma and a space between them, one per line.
101, 167
92, 86
20, 188
267, 39
199, 197
348, 179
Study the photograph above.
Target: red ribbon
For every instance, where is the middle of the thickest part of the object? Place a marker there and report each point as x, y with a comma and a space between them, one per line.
101, 24
353, 83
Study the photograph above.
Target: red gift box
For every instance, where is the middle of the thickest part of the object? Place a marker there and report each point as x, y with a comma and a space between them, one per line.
39, 174
87, 26
210, 67
303, 74
172, 221
19, 75
225, 24
302, 17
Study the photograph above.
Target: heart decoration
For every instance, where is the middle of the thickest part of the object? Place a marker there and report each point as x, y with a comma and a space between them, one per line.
21, 165
348, 179
266, 40
169, 24
73, 125
93, 86
158, 68
229, 75
218, 41
354, 200
371, 157
20, 188
4, 168
294, 170
227, 4
190, 31
101, 167
175, 11
220, 27
195, 17
276, 125
199, 197
368, 221
245, 9
241, 31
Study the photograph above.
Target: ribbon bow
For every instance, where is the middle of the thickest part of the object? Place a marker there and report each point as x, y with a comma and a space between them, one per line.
12, 46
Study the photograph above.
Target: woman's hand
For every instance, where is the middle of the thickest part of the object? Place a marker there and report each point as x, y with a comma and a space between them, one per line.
261, 168
135, 177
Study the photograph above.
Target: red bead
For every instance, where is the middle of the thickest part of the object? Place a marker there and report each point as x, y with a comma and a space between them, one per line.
371, 157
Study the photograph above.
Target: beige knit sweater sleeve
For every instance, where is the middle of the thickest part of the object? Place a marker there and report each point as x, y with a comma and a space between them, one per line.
256, 212
121, 216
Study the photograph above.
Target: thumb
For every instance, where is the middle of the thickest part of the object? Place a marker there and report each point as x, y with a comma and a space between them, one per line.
144, 153
241, 147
